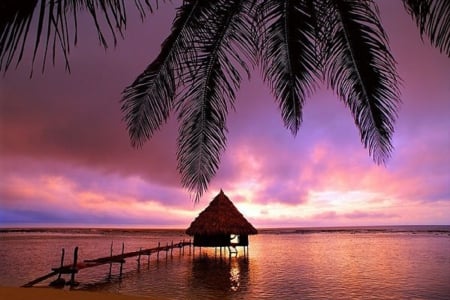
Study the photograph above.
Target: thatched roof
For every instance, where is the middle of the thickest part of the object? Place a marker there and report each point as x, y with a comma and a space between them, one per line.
220, 217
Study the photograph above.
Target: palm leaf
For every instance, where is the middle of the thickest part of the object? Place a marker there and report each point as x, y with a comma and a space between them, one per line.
147, 102
224, 41
15, 20
360, 68
289, 59
433, 19
53, 22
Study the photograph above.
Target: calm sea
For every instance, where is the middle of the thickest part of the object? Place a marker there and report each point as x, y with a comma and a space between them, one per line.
400, 262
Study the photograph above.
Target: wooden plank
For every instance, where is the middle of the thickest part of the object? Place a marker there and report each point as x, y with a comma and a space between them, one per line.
120, 257
89, 263
42, 278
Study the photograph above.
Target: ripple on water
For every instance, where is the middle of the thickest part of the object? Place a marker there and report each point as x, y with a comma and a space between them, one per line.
280, 266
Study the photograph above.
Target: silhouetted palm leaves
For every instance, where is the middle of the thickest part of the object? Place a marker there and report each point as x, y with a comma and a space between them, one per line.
433, 19
296, 44
57, 24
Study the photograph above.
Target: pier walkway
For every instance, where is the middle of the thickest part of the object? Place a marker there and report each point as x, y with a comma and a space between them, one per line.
76, 266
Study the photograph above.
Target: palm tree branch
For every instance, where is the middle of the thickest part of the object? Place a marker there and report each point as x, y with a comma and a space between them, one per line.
211, 90
289, 58
147, 102
14, 18
54, 15
362, 70
433, 19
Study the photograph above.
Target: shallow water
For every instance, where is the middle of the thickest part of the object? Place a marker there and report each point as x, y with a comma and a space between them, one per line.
375, 263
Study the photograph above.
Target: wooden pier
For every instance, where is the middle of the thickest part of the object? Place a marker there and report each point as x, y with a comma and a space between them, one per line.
77, 266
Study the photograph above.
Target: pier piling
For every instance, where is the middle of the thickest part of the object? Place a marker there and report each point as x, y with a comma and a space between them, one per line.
121, 263
139, 259
62, 263
74, 267
110, 263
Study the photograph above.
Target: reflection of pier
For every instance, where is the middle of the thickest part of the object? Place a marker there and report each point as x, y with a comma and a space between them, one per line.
76, 266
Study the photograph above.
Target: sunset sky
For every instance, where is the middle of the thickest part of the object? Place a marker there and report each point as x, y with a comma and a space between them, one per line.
66, 159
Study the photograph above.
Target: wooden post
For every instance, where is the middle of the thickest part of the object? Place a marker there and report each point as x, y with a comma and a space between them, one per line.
62, 263
171, 249
157, 254
121, 263
139, 259
167, 249
110, 255
74, 266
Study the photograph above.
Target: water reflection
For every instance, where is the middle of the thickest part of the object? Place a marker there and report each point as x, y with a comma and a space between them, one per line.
235, 275
280, 266
219, 274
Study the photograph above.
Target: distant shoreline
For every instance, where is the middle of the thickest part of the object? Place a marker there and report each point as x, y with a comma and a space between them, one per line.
282, 230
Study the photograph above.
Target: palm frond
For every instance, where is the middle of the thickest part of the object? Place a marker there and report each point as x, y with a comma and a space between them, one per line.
433, 19
147, 102
54, 18
361, 69
224, 41
289, 59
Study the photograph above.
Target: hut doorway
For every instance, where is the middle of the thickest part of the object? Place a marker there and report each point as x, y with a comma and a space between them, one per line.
234, 239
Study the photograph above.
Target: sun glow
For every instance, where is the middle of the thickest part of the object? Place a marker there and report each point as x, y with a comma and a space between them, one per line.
346, 201
319, 205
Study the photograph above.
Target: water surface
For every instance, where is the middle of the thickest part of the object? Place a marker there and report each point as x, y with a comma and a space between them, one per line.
320, 263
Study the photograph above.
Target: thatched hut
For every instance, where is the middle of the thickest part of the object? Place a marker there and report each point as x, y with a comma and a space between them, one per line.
221, 225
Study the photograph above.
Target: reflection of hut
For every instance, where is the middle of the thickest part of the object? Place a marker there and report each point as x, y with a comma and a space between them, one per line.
220, 276
221, 225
